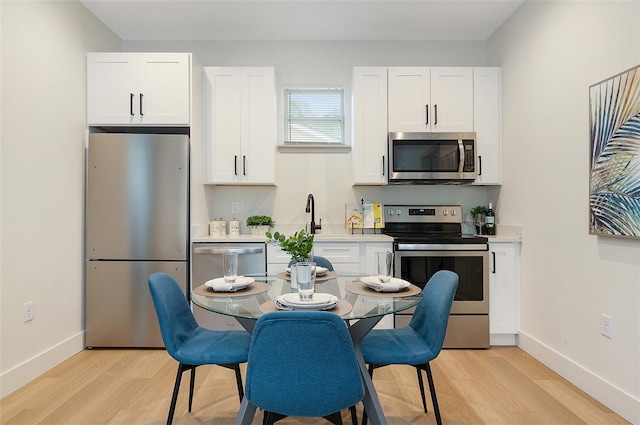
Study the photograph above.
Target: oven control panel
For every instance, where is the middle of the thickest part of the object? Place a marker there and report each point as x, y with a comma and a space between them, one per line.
423, 213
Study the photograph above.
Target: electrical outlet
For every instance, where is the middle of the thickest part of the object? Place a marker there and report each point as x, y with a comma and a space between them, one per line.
28, 311
607, 326
237, 207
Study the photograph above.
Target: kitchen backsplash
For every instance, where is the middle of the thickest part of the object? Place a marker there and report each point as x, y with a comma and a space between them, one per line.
286, 202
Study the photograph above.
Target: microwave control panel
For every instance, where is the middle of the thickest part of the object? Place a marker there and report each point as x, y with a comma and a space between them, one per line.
469, 157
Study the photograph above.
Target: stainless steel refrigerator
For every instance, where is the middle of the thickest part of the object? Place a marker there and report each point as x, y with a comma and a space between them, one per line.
137, 223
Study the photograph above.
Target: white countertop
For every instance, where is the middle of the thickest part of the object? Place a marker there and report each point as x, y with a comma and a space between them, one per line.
505, 233
338, 238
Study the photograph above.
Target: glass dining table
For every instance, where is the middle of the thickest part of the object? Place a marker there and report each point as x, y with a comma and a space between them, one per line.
361, 308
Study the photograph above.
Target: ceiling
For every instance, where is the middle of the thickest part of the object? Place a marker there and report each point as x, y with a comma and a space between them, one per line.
302, 19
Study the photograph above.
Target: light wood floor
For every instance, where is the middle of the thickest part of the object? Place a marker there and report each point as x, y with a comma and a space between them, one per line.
497, 386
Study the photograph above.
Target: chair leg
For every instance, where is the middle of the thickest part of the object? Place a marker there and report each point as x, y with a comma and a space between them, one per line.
236, 368
421, 384
192, 382
335, 418
432, 389
354, 415
176, 388
270, 418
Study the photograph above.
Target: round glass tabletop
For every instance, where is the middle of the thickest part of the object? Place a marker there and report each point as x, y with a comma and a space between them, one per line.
355, 300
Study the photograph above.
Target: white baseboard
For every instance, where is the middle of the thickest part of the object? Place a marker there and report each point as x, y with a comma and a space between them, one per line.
30, 369
503, 339
614, 398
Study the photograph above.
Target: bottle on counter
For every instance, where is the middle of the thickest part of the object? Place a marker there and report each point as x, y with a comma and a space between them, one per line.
491, 220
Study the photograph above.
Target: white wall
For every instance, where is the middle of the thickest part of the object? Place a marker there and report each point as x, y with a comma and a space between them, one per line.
550, 53
327, 176
43, 123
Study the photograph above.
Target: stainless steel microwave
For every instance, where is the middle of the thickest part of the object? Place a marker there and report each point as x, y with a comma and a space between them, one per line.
432, 158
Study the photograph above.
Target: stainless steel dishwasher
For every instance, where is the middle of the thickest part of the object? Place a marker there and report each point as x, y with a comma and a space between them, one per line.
206, 264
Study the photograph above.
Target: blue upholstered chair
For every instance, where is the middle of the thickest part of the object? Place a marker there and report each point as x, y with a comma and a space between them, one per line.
301, 363
419, 342
188, 343
320, 262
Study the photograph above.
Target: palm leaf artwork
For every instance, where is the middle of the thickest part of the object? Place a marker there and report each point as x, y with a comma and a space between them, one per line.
614, 193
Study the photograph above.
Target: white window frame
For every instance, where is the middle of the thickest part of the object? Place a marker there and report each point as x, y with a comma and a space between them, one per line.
319, 143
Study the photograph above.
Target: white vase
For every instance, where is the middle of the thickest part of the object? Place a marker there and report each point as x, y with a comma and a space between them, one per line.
259, 230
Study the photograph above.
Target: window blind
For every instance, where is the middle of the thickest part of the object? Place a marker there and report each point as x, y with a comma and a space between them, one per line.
314, 115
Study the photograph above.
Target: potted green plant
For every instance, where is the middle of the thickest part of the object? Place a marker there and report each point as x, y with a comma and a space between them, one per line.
479, 219
299, 245
260, 224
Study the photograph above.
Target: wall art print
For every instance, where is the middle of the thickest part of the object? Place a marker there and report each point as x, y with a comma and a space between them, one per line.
614, 182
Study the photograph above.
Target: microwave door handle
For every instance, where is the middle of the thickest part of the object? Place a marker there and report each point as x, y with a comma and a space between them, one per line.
461, 149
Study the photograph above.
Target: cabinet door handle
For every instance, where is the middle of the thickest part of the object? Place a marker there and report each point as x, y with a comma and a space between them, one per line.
131, 104
244, 165
235, 164
493, 254
383, 165
435, 110
479, 165
426, 108
141, 104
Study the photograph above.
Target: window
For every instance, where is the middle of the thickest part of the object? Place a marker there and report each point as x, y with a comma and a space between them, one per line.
314, 116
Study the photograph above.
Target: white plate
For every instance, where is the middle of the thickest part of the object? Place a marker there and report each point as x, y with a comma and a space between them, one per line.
320, 271
219, 285
374, 283
316, 307
319, 299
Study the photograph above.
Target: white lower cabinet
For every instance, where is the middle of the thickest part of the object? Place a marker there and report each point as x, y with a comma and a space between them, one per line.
504, 292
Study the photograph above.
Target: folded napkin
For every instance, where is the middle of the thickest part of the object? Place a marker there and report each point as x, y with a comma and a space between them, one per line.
222, 287
387, 287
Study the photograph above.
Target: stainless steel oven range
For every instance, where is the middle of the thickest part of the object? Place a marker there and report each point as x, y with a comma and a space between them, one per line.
428, 239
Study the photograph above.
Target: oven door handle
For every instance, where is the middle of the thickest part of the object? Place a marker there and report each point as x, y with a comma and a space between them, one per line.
441, 247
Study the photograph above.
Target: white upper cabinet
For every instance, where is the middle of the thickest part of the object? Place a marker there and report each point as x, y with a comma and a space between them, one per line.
487, 122
239, 116
430, 99
369, 106
139, 89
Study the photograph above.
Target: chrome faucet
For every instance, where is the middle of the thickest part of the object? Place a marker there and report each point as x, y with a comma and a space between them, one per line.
311, 207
